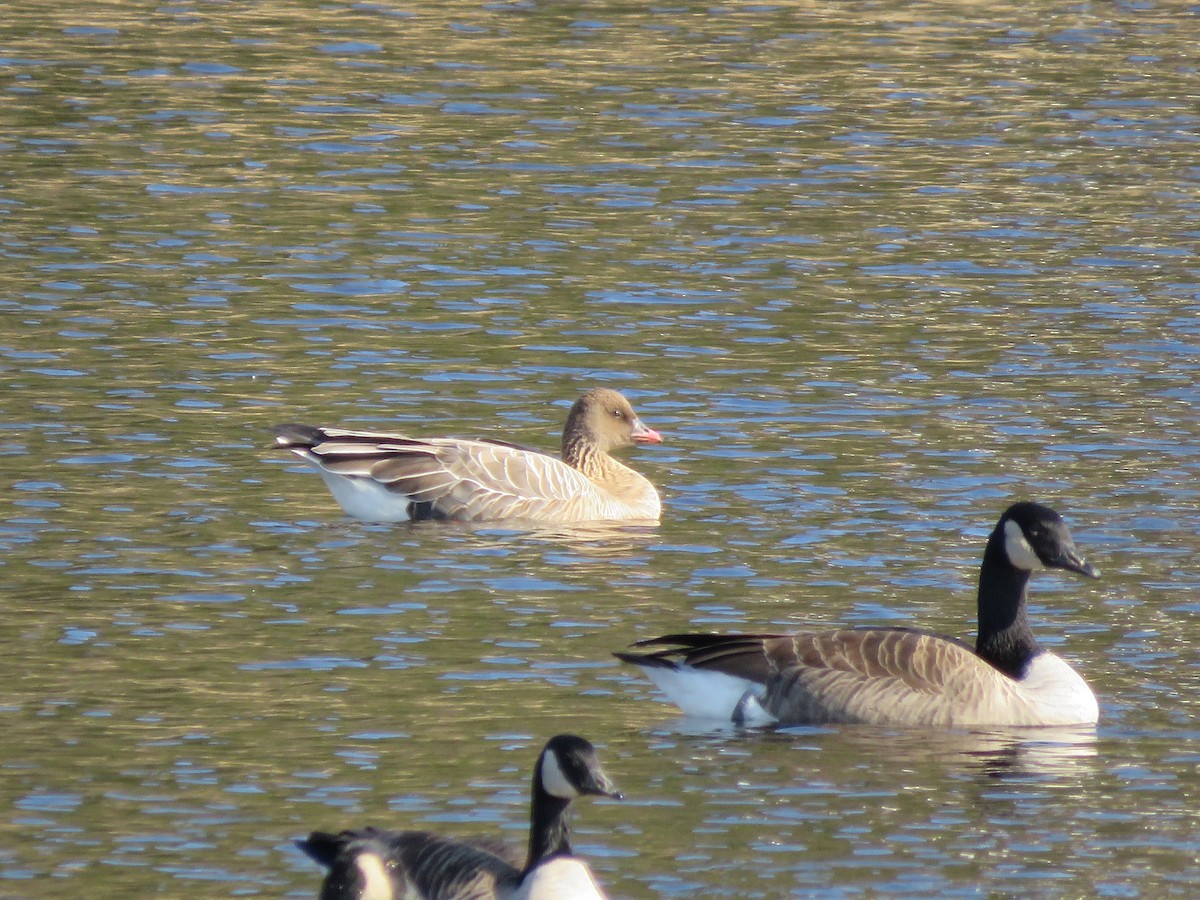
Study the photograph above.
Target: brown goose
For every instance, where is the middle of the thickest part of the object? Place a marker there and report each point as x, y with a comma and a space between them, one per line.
374, 864
396, 478
895, 676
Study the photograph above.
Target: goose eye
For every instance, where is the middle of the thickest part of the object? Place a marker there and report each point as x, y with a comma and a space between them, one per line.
617, 414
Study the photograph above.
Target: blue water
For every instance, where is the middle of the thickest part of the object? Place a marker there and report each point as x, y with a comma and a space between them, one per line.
873, 271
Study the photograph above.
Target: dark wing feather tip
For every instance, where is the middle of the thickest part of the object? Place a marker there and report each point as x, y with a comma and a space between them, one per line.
295, 435
659, 660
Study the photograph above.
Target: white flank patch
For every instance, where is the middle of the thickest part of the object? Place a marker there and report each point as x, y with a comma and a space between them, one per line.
1020, 554
553, 779
752, 713
365, 499
376, 883
709, 695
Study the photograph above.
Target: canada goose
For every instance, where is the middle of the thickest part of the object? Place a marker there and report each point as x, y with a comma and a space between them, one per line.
395, 478
895, 676
373, 864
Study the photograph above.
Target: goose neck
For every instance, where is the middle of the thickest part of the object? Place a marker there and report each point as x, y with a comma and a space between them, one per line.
580, 453
1005, 639
549, 831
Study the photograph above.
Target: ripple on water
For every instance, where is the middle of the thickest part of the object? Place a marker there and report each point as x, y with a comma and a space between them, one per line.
871, 283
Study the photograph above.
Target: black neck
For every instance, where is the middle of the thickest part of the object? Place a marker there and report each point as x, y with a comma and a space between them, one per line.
549, 832
1005, 638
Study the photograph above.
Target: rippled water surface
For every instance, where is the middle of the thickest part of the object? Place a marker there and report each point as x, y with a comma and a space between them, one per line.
873, 269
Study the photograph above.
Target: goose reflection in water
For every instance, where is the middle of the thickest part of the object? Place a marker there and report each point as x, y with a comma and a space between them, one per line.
997, 753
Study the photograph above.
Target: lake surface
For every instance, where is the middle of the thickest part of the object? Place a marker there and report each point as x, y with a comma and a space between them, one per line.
873, 269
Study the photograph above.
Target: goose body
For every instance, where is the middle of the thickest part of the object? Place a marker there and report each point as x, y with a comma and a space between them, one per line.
393, 478
895, 676
374, 864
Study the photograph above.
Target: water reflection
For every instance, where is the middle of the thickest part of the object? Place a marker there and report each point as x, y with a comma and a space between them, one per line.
994, 753
1001, 753
589, 540
885, 265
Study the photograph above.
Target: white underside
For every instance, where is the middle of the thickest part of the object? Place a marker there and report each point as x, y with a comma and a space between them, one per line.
558, 879
710, 695
363, 498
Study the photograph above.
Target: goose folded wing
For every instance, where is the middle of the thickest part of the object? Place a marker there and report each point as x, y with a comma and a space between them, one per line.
876, 675
443, 869
479, 479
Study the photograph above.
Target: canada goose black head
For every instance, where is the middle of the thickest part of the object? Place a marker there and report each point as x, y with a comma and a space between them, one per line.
568, 768
1036, 537
1028, 537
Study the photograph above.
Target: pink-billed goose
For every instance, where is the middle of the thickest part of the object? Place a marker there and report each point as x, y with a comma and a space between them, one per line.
373, 864
396, 478
895, 676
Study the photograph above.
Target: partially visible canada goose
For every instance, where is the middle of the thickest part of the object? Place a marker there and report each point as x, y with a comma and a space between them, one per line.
895, 676
373, 864
395, 478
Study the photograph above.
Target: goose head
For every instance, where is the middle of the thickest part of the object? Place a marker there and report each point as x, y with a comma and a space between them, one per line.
568, 768
1029, 537
604, 419
1035, 537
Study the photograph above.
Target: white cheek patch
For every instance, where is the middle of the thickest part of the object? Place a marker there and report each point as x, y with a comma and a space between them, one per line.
1020, 554
376, 883
553, 779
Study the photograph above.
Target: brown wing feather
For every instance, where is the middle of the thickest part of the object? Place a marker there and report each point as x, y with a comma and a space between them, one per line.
477, 480
460, 479
740, 655
872, 675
